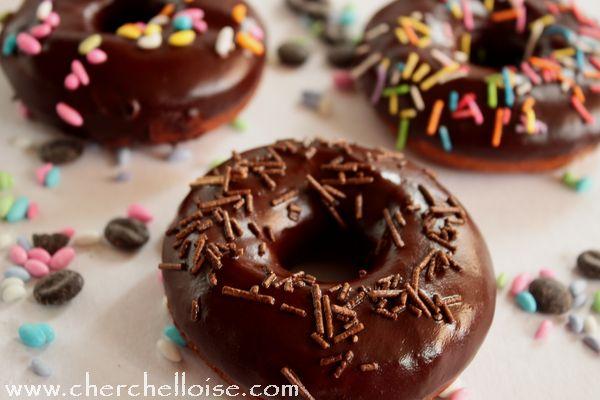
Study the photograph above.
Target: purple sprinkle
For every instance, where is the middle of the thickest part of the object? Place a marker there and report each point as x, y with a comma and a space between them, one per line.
592, 343
123, 176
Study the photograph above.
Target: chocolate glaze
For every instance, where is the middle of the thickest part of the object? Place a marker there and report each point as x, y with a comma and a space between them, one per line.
250, 342
567, 134
162, 95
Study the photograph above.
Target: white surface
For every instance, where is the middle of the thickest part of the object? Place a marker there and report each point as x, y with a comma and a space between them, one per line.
112, 327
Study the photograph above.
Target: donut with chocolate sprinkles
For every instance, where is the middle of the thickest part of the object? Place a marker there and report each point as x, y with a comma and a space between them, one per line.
388, 296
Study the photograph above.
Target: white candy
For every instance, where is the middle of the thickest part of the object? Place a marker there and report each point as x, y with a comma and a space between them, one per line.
21, 142
159, 20
168, 350
225, 44
457, 384
150, 42
13, 293
87, 238
590, 325
6, 240
44, 10
12, 281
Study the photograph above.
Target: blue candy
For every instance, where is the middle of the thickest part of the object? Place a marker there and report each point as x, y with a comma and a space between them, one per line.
18, 211
36, 335
10, 44
575, 323
527, 302
52, 179
40, 368
173, 334
17, 272
183, 23
48, 332
24, 242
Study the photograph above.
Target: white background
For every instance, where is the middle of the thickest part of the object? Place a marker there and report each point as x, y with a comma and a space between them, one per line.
111, 328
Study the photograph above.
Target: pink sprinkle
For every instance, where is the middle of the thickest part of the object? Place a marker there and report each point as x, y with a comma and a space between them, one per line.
17, 255
62, 258
79, 71
69, 231
139, 212
463, 114
521, 18
343, 80
379, 86
531, 74
595, 88
41, 31
53, 19
468, 15
585, 114
69, 114
477, 115
71, 82
37, 253
33, 211
466, 99
507, 116
460, 394
96, 56
36, 268
28, 44
520, 283
41, 172
547, 273
256, 31
544, 329
23, 110
200, 26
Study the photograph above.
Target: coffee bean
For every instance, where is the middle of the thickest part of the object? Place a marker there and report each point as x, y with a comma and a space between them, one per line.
61, 151
342, 56
552, 297
126, 233
588, 263
319, 9
292, 54
58, 288
50, 242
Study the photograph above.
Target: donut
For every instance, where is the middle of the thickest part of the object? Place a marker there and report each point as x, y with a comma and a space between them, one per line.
123, 72
347, 271
499, 86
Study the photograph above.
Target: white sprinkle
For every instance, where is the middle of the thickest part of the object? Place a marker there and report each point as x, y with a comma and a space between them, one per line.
417, 98
40, 368
363, 67
179, 154
377, 31
590, 325
150, 42
159, 20
225, 44
14, 293
44, 10
168, 350
6, 240
87, 238
123, 156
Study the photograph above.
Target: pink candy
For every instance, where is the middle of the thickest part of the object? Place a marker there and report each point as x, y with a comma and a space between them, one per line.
547, 273
139, 212
343, 80
520, 283
200, 26
17, 255
96, 56
62, 258
41, 172
80, 72
544, 329
69, 231
53, 19
37, 253
71, 82
460, 394
33, 211
28, 44
41, 31
36, 268
69, 115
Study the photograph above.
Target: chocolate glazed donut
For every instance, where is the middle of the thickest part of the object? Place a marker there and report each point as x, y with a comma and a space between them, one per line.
406, 309
144, 83
512, 87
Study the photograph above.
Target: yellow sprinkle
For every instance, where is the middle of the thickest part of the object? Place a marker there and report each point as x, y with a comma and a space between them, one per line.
435, 78
394, 104
239, 13
466, 44
129, 31
421, 72
411, 63
562, 53
528, 104
456, 10
408, 113
424, 42
546, 20
530, 114
89, 44
416, 24
182, 38
152, 29
248, 42
401, 35
489, 4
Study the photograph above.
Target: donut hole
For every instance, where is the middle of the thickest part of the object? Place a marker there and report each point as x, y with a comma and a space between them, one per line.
495, 48
330, 253
118, 13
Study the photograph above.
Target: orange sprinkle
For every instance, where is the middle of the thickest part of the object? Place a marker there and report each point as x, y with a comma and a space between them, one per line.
544, 64
248, 42
579, 93
168, 9
528, 104
505, 15
434, 119
497, 136
410, 33
239, 13
592, 74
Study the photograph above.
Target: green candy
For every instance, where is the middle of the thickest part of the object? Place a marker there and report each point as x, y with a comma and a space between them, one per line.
6, 203
6, 181
502, 280
596, 304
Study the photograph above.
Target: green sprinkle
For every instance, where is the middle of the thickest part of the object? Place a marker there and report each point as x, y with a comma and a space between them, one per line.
6, 181
501, 280
402, 134
317, 28
492, 94
239, 125
401, 90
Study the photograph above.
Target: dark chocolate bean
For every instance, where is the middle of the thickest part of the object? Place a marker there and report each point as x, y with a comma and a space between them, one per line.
342, 56
319, 9
50, 242
292, 54
126, 233
552, 297
58, 287
61, 151
588, 264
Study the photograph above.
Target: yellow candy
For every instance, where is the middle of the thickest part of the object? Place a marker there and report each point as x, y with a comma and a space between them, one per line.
239, 13
182, 38
152, 29
130, 31
89, 44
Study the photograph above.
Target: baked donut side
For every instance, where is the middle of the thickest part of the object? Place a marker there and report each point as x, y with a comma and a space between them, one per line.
404, 291
512, 88
125, 72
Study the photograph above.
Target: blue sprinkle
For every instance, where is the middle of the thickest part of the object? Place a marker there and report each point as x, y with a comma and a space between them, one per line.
32, 336
40, 368
445, 137
18, 211
123, 156
52, 179
568, 34
173, 334
575, 324
453, 102
17, 272
583, 185
580, 57
10, 44
527, 302
123, 176
182, 23
179, 154
400, 66
509, 95
24, 243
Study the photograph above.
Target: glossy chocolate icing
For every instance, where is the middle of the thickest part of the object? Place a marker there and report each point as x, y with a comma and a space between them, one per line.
250, 342
567, 133
138, 96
